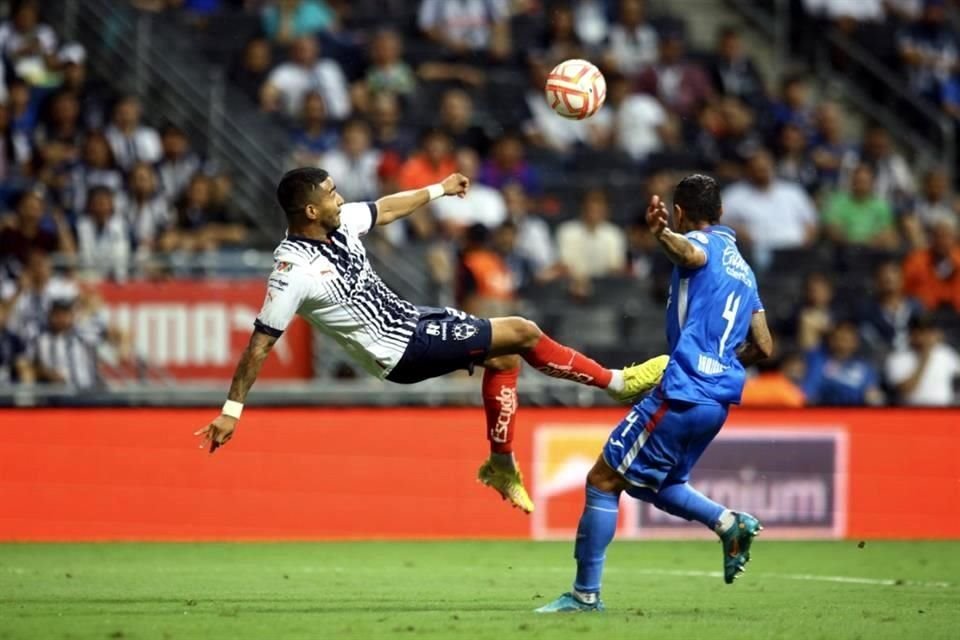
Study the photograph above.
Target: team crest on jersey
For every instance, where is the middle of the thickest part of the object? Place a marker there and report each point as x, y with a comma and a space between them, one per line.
284, 267
463, 331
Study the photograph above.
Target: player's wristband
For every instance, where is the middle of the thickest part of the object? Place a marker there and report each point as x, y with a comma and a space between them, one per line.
435, 191
232, 408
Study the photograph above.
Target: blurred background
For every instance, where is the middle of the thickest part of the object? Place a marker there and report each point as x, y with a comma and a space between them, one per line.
142, 141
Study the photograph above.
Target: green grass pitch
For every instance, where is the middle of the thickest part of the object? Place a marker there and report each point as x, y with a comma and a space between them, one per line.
474, 590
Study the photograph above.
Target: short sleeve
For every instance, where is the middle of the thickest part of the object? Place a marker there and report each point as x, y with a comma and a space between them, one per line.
286, 291
757, 302
701, 241
358, 217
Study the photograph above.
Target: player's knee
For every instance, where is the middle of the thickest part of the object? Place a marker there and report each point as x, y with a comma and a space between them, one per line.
503, 363
528, 333
602, 477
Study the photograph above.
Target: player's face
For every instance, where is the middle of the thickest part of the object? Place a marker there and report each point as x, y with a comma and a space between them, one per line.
326, 205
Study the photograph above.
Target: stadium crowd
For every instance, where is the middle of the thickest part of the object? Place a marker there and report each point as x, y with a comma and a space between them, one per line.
387, 98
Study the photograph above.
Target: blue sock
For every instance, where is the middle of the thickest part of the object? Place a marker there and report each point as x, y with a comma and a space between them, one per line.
594, 533
682, 500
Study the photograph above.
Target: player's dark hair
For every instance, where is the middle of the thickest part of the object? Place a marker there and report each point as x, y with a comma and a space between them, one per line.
699, 197
295, 188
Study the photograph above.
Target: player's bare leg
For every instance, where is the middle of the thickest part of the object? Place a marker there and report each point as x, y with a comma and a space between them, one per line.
500, 403
515, 335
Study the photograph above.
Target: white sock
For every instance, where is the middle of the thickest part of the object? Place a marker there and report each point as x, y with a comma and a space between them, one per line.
616, 380
586, 598
725, 521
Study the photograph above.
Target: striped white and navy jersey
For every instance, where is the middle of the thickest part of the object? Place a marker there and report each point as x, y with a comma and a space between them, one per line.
71, 354
332, 285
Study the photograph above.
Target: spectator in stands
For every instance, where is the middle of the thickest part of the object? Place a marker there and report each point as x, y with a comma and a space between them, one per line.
769, 213
681, 84
464, 27
288, 84
103, 237
929, 50
893, 179
534, 239
390, 134
15, 366
286, 20
482, 205
253, 68
432, 163
354, 163
794, 163
457, 121
146, 210
592, 246
33, 228
485, 284
636, 118
733, 72
97, 169
641, 249
61, 124
591, 18
24, 110
504, 243
925, 373
633, 42
39, 287
831, 152
178, 164
15, 149
387, 71
199, 226
932, 275
860, 217
886, 315
507, 165
315, 136
817, 314
793, 105
561, 41
728, 136
73, 70
776, 384
936, 200
837, 375
29, 45
130, 140
63, 353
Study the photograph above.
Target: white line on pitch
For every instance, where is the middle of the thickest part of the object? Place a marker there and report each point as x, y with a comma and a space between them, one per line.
803, 577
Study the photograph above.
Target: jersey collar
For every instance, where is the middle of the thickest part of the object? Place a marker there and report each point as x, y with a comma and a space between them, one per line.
721, 230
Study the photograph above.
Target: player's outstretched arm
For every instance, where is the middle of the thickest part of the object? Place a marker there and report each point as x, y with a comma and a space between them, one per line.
759, 343
220, 431
400, 205
678, 248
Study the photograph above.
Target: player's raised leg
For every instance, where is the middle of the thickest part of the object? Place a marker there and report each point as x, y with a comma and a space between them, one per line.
500, 404
514, 335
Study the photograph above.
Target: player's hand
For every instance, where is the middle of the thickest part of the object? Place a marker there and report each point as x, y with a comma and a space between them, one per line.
455, 184
657, 217
217, 433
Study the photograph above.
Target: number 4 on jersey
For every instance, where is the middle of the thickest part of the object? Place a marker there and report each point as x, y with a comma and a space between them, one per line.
730, 315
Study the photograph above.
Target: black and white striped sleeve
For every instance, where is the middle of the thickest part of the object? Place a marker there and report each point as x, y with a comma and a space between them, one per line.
286, 291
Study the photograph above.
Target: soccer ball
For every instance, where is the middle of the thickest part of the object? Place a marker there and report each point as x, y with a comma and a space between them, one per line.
575, 89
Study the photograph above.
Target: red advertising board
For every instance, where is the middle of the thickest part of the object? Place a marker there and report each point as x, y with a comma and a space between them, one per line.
137, 474
196, 329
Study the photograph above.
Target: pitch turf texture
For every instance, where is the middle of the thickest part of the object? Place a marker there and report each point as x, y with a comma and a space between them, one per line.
468, 590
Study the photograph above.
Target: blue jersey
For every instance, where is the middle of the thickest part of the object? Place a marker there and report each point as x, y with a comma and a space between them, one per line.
708, 317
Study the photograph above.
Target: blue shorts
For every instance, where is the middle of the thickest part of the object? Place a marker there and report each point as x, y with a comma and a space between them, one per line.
660, 440
445, 340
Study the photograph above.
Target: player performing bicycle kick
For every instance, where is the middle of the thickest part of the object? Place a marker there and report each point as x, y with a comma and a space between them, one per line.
321, 272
